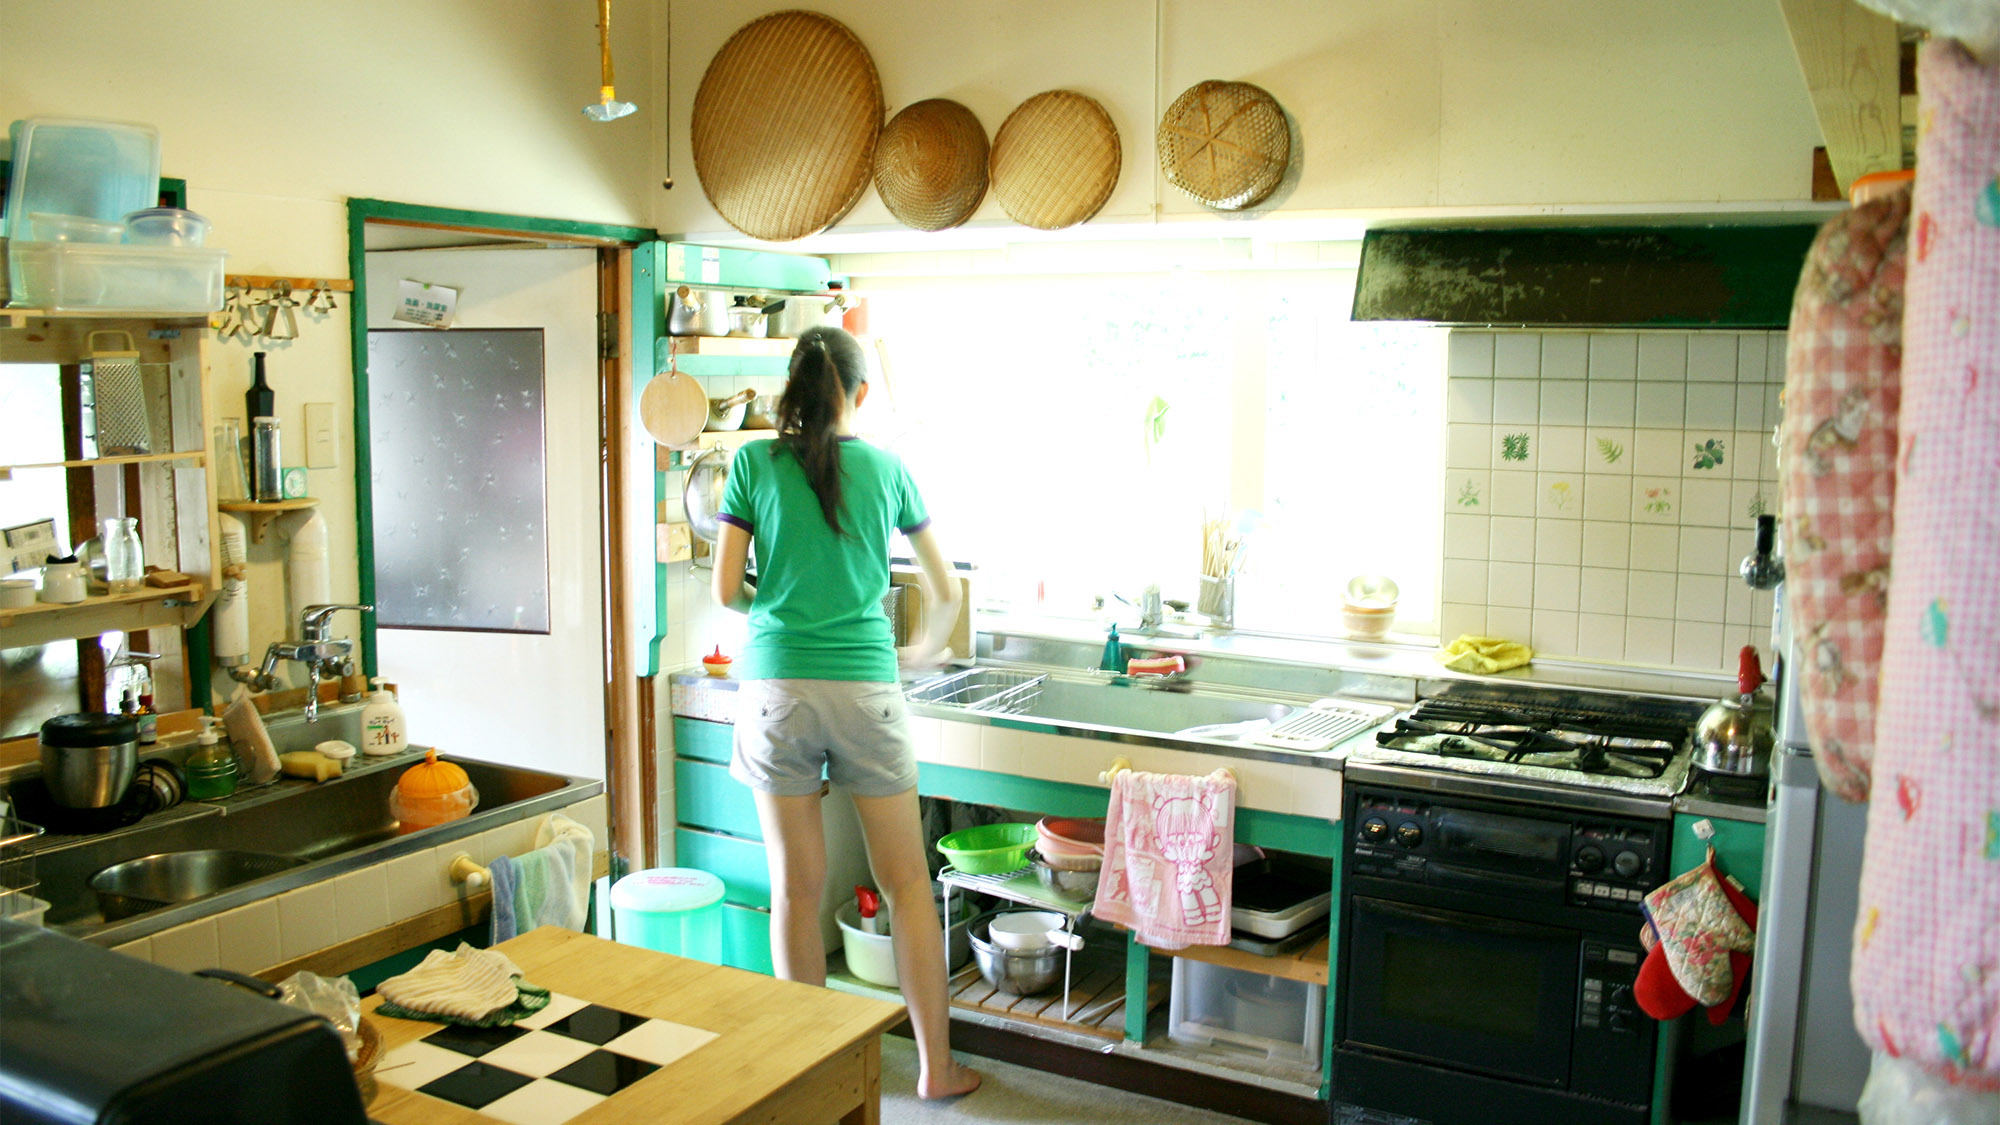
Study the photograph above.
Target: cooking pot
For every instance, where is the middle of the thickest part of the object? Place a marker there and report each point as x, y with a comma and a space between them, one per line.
792, 316
727, 413
701, 495
747, 320
1733, 737
88, 759
693, 312
761, 413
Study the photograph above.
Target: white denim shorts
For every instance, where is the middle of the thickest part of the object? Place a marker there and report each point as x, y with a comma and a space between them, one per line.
788, 731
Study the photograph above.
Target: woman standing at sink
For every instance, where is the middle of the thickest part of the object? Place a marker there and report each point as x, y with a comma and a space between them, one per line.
820, 669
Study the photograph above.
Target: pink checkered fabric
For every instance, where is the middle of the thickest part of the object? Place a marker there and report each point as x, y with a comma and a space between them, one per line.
1843, 388
1926, 970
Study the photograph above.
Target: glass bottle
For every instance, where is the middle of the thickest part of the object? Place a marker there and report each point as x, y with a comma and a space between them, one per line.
124, 555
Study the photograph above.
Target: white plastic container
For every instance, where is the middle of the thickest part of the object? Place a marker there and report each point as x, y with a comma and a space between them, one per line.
111, 277
1235, 1009
383, 731
872, 957
22, 907
74, 166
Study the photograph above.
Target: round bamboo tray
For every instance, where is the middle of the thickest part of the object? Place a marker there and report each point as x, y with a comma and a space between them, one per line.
930, 164
370, 1054
1055, 160
785, 123
1226, 144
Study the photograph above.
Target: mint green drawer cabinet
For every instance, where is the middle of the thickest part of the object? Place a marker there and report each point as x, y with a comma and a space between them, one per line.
739, 863
699, 738
746, 938
705, 796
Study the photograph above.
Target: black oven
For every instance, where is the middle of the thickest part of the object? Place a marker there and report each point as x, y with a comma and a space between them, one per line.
1488, 951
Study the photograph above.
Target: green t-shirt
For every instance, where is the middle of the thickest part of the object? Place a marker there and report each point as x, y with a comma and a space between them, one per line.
818, 610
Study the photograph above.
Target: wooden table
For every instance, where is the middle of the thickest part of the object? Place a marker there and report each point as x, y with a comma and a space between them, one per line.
786, 1052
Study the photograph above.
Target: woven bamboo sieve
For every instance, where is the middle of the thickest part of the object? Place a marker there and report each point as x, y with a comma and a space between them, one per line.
1055, 160
785, 123
1225, 143
930, 164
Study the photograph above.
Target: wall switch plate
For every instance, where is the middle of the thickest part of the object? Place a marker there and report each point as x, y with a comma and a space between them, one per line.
322, 443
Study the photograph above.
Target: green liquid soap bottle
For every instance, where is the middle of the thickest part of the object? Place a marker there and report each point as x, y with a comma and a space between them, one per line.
211, 769
1114, 652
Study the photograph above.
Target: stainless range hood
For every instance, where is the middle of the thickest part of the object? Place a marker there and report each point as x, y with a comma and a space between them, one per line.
1584, 277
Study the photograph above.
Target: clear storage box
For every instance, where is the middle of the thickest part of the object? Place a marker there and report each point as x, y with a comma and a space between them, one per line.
1216, 1006
116, 278
73, 166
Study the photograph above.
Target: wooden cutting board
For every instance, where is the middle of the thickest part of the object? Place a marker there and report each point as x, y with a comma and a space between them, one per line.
673, 408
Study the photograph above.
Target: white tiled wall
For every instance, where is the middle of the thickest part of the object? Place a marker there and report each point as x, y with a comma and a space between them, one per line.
270, 932
1601, 488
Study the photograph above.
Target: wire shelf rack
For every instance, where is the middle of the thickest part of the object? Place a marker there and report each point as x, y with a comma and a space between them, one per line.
17, 867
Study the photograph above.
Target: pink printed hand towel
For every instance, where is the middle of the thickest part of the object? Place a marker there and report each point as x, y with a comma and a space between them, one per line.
1169, 855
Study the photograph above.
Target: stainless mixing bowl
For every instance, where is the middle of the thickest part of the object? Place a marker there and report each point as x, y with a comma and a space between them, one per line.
1015, 971
1077, 886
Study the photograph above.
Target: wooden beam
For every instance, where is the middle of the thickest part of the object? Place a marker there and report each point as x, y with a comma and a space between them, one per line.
1851, 62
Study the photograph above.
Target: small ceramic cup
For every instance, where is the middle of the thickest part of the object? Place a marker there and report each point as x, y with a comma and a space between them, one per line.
64, 583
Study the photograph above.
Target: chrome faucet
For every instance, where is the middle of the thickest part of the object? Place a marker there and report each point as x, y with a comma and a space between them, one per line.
322, 655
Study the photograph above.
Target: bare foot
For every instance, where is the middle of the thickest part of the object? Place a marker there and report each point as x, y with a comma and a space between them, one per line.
955, 1081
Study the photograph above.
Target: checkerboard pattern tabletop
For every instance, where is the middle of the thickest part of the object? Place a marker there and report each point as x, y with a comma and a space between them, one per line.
545, 1069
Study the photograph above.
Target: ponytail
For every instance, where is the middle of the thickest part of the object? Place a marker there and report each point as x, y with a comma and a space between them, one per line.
827, 370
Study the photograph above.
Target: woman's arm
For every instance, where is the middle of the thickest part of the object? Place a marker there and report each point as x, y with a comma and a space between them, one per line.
732, 556
941, 604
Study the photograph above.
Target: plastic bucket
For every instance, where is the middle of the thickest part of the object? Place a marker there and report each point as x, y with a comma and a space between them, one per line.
872, 957
674, 910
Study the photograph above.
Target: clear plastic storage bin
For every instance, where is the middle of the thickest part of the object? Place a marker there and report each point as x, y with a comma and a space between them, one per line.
1237, 1009
72, 166
116, 278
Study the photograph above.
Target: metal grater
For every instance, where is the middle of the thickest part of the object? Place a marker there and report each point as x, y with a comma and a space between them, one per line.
1322, 726
117, 395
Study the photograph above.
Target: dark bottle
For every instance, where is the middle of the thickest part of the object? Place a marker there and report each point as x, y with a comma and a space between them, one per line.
258, 400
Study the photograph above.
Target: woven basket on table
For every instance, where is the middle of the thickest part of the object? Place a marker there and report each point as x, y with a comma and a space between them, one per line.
930, 164
1055, 160
365, 1060
785, 123
1225, 143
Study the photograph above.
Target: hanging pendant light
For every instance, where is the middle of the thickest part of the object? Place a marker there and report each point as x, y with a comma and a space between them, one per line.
608, 107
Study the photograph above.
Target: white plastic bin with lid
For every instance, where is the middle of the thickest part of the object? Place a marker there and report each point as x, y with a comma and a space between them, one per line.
1275, 1017
72, 166
674, 910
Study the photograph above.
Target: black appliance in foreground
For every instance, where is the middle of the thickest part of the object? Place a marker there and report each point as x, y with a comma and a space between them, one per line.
88, 1035
1490, 913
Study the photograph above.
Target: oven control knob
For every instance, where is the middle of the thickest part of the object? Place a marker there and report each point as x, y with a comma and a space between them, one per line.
1620, 1021
1589, 859
1409, 834
1628, 864
1375, 830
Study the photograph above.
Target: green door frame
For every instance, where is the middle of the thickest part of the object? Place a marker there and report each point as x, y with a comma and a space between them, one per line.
359, 213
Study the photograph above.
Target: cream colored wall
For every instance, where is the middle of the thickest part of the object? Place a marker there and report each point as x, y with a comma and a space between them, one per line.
1419, 103
276, 115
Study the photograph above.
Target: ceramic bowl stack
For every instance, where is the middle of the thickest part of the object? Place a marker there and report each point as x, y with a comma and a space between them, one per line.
1068, 853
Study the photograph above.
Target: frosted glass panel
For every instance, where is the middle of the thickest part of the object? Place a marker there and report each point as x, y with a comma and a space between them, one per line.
461, 515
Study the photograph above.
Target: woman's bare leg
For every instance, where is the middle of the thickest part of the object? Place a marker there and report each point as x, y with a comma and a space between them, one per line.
896, 855
795, 846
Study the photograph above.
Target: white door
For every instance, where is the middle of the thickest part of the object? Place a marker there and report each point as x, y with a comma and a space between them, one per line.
525, 699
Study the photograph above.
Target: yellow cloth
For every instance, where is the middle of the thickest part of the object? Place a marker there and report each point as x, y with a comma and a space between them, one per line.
1484, 654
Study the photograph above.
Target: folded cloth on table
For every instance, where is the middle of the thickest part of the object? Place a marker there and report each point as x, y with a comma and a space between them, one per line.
476, 987
1168, 861
1484, 655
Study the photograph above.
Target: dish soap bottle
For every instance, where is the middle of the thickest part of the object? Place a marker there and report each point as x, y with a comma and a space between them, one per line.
211, 768
382, 729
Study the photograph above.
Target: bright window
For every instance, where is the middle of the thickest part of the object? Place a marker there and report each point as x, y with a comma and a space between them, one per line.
1072, 433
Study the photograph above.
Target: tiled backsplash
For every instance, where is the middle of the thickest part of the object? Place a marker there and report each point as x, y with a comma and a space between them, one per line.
1602, 487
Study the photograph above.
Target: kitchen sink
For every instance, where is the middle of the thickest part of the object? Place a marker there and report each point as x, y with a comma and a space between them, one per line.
1118, 706
202, 857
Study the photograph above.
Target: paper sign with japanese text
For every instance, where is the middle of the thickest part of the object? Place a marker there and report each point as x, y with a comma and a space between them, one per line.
428, 305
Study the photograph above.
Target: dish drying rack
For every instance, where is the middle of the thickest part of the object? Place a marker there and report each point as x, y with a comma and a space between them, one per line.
1010, 692
1322, 726
1020, 885
17, 868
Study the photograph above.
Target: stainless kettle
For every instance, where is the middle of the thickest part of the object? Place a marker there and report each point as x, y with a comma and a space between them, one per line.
1733, 737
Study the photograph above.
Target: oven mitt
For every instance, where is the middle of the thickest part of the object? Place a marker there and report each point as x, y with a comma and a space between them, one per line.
1698, 928
1660, 996
1483, 655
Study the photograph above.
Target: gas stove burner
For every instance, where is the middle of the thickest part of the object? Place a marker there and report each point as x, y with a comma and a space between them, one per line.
1639, 746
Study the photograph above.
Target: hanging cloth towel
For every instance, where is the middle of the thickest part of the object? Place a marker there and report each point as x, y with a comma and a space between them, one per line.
1926, 969
1484, 655
1169, 852
475, 987
549, 886
1843, 391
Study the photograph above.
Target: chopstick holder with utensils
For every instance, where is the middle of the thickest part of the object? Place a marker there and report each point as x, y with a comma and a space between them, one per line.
1169, 857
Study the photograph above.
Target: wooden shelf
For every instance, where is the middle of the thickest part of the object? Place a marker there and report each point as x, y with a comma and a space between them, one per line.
15, 318
262, 512
733, 345
1308, 964
196, 456
144, 608
680, 457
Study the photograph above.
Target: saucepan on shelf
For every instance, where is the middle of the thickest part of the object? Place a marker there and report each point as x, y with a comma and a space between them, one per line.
727, 413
